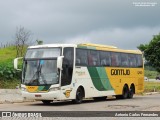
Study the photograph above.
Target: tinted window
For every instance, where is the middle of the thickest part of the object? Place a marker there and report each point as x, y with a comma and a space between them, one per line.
43, 53
139, 60
93, 58
81, 57
105, 59
124, 60
132, 60
115, 59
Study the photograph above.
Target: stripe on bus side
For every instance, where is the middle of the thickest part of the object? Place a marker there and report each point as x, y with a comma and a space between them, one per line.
100, 78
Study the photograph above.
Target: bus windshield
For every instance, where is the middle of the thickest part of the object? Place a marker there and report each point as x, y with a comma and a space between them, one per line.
40, 66
40, 72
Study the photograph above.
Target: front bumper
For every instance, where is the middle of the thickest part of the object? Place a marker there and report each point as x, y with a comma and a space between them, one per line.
52, 95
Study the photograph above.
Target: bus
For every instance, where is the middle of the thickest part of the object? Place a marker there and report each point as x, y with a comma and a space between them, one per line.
57, 72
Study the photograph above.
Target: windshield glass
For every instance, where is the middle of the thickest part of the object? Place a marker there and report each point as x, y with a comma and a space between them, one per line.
40, 72
43, 53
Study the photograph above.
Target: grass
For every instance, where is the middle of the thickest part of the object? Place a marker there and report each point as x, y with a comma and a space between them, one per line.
151, 86
7, 56
150, 74
9, 84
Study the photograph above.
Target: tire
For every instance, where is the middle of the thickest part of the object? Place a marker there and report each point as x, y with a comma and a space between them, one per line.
46, 102
131, 92
100, 98
125, 93
79, 96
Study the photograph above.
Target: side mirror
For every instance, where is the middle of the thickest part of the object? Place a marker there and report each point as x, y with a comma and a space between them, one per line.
59, 62
16, 63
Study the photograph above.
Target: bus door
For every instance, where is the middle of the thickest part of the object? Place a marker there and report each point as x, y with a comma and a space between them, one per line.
67, 66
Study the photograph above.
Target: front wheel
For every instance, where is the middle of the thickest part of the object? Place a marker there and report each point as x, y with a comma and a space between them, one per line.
79, 96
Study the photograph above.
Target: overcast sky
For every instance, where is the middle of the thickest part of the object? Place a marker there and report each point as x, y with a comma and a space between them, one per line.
122, 23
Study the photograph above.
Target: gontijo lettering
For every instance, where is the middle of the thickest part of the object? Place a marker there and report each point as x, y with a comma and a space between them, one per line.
120, 72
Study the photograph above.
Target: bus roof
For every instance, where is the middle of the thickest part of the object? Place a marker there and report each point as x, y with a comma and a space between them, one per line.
107, 48
53, 45
88, 46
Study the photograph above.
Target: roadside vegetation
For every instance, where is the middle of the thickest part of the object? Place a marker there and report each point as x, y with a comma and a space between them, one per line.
9, 77
151, 86
150, 74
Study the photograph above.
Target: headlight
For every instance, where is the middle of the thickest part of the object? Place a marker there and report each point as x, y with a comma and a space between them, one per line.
54, 89
23, 89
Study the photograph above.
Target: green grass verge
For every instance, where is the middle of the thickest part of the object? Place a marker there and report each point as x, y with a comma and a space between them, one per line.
9, 84
151, 86
150, 74
7, 55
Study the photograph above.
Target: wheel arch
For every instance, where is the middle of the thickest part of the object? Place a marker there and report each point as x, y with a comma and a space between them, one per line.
81, 87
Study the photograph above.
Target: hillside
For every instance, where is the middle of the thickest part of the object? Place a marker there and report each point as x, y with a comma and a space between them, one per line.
7, 55
9, 78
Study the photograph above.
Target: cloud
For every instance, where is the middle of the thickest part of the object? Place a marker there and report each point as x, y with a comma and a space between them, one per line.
122, 38
100, 21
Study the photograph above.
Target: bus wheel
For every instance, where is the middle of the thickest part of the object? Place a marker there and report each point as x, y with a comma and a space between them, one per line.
131, 92
46, 102
125, 92
79, 96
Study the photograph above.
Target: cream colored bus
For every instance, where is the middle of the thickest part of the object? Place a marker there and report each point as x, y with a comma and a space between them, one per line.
56, 72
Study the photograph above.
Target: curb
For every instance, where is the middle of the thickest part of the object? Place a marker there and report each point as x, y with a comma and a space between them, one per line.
152, 93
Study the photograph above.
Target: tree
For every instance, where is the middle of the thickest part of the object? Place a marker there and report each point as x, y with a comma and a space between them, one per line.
142, 47
22, 39
39, 42
152, 52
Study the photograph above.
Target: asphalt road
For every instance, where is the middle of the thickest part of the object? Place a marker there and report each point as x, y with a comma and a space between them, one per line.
138, 103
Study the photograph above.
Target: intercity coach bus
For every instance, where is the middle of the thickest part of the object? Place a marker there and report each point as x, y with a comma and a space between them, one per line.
56, 72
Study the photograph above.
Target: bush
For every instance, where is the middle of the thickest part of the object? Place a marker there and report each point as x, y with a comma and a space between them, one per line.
7, 72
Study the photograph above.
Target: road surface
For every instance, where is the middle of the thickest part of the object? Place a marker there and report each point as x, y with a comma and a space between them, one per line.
138, 103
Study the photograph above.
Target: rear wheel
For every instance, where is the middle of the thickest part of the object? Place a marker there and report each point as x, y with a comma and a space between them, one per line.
131, 92
79, 96
125, 93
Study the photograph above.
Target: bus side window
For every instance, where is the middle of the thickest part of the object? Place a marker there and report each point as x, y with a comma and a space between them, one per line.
132, 60
124, 60
115, 59
105, 58
93, 58
139, 60
81, 57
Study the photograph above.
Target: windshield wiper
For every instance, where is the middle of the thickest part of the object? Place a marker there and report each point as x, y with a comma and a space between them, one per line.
39, 74
35, 80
